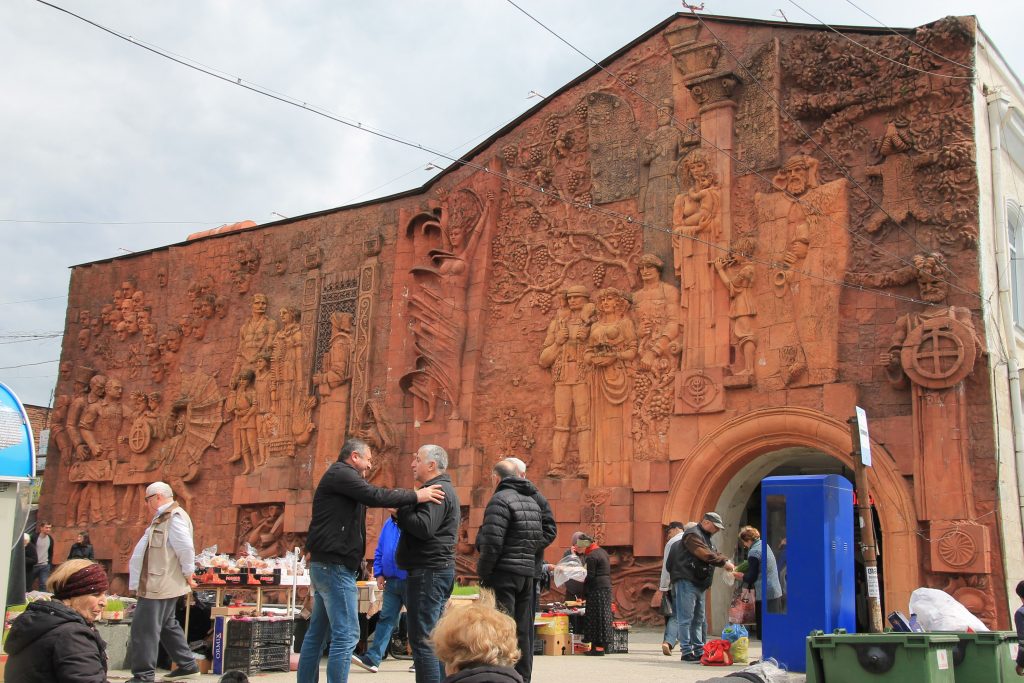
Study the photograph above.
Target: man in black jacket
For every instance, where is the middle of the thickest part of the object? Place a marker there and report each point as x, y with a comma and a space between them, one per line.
691, 566
336, 543
427, 551
510, 539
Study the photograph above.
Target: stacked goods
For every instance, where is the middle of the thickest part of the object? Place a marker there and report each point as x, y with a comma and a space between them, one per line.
248, 569
553, 633
620, 638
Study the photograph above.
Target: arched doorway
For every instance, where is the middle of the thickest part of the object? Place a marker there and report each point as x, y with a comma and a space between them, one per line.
726, 466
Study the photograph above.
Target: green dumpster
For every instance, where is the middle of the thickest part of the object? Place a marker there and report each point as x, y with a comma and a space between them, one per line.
984, 657
876, 657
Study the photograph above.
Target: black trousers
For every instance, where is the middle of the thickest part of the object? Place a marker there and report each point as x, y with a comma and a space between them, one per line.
514, 595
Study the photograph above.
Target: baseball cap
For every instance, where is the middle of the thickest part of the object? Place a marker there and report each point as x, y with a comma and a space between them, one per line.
714, 518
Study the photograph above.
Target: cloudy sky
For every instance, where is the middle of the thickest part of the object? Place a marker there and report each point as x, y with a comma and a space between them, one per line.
109, 149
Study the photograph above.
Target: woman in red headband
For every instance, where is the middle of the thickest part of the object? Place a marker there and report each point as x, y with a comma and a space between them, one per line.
54, 641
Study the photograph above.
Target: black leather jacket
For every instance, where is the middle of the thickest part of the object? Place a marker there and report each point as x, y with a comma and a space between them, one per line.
429, 530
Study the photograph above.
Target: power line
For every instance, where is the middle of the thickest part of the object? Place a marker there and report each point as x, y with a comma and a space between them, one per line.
30, 301
484, 169
38, 222
879, 54
912, 42
25, 365
736, 160
838, 165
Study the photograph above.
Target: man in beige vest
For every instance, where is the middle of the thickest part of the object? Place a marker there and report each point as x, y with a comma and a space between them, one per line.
160, 572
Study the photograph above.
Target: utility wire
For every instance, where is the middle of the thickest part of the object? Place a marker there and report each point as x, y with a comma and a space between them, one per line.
30, 301
879, 54
909, 40
736, 160
35, 222
484, 169
25, 365
838, 165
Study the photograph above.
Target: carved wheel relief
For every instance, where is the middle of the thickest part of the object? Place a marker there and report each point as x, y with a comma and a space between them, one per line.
939, 353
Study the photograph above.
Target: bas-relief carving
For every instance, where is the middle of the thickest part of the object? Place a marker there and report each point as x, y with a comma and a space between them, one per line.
437, 305
334, 385
613, 140
803, 231
376, 429
737, 272
563, 354
659, 156
757, 116
262, 528
291, 404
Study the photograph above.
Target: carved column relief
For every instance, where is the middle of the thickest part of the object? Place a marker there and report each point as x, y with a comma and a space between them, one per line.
368, 291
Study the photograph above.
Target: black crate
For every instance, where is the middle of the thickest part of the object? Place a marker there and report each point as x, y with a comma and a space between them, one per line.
538, 645
253, 632
620, 642
254, 659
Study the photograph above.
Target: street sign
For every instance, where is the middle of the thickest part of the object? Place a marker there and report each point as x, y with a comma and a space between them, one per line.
17, 450
865, 440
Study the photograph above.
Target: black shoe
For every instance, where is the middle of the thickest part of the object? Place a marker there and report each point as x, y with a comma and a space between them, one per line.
690, 657
183, 674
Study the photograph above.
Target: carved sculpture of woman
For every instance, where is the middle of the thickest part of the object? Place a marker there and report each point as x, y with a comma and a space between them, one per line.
438, 307
611, 347
286, 366
334, 384
696, 225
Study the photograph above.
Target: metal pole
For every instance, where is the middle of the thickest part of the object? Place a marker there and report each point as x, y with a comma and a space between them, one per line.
867, 530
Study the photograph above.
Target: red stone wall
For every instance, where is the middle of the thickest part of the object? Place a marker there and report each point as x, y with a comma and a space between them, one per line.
642, 262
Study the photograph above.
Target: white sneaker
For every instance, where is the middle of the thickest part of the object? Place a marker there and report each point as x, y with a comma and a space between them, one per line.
364, 662
412, 669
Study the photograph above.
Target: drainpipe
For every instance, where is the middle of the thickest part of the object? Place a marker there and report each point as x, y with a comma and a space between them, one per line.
998, 111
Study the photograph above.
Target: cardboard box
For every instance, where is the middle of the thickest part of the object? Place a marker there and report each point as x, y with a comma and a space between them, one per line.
552, 624
232, 611
557, 644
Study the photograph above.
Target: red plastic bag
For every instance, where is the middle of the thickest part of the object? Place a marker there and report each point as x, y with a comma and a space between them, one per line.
716, 653
741, 611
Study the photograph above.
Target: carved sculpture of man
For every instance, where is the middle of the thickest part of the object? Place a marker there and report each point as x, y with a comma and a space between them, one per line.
697, 227
737, 272
90, 451
84, 337
77, 445
266, 423
659, 156
267, 531
256, 334
101, 427
241, 404
899, 188
334, 384
563, 353
611, 348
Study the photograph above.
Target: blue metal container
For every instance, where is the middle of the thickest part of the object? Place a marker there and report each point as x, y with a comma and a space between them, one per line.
808, 523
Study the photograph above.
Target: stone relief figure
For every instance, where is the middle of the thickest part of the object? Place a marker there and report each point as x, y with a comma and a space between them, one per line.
563, 353
376, 430
934, 351
803, 232
76, 444
266, 424
896, 170
659, 156
241, 404
737, 272
656, 311
195, 418
696, 226
265, 531
90, 468
291, 404
611, 348
438, 306
256, 334
334, 385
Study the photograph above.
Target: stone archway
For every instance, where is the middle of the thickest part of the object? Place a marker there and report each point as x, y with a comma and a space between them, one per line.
707, 472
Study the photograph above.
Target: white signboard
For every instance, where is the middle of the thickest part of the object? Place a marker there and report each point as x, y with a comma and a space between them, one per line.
865, 441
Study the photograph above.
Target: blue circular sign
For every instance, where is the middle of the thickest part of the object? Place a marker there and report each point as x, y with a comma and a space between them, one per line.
17, 451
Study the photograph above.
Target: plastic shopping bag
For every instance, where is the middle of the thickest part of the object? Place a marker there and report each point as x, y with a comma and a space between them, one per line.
716, 653
741, 611
569, 568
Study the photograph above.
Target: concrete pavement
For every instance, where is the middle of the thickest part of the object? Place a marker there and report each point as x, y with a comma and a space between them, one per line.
645, 662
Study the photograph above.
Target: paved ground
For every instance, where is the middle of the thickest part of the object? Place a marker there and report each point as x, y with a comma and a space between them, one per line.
645, 662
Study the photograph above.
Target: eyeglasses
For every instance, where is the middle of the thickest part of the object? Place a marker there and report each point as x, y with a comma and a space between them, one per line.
149, 496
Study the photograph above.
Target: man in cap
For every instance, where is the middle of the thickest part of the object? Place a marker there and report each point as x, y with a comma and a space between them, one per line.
563, 352
691, 566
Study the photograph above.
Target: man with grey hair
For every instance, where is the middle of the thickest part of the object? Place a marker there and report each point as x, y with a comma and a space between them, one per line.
161, 571
427, 551
512, 537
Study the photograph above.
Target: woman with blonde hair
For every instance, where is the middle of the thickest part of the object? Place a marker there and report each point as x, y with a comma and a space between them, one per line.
759, 557
54, 641
477, 644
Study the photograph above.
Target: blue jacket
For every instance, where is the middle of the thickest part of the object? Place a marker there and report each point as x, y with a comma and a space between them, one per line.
384, 557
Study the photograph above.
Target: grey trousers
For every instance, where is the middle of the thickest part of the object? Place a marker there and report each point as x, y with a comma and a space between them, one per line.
154, 624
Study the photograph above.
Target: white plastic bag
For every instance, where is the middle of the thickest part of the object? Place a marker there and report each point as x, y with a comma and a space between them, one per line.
939, 611
569, 568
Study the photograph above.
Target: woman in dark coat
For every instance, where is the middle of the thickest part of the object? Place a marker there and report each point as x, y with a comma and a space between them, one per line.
82, 548
598, 588
54, 641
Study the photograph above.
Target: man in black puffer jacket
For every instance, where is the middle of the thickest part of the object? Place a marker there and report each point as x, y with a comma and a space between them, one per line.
512, 534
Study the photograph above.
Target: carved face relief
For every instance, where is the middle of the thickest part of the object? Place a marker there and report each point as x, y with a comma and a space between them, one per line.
161, 278
174, 341
98, 386
127, 290
83, 317
286, 316
96, 326
84, 337
206, 306
220, 307
65, 370
114, 389
157, 372
259, 304
576, 302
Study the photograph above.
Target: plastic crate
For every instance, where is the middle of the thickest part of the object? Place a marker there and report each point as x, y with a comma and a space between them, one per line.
620, 642
881, 657
538, 646
253, 632
254, 659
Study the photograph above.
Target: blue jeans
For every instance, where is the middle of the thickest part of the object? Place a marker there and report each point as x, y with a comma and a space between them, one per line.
427, 592
689, 607
43, 572
671, 635
335, 613
390, 610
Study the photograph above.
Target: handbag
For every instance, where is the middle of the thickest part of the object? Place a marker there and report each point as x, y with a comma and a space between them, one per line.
741, 610
666, 604
716, 653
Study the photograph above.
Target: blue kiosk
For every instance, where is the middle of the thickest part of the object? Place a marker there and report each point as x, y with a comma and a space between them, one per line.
808, 523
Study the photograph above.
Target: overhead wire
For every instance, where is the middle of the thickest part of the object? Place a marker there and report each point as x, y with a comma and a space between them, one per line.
846, 173
26, 365
483, 168
30, 301
748, 167
909, 40
39, 222
876, 52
